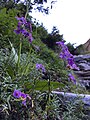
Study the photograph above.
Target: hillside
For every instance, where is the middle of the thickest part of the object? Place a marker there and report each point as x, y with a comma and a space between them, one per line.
83, 48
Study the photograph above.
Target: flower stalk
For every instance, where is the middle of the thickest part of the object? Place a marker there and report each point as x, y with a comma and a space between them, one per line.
19, 54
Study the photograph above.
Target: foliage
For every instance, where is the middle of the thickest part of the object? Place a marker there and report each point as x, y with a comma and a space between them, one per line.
7, 25
52, 38
81, 49
42, 32
71, 48
56, 66
74, 110
25, 78
18, 59
22, 5
29, 80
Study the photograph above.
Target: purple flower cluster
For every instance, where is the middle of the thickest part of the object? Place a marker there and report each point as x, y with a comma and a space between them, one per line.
40, 66
20, 95
66, 55
21, 28
72, 78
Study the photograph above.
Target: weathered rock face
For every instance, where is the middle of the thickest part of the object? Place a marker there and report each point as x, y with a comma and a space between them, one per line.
83, 62
83, 48
87, 45
77, 97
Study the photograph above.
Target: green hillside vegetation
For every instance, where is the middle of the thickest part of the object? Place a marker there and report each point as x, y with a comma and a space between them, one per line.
38, 50
18, 59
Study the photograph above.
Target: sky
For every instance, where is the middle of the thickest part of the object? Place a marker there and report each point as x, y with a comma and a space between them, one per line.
71, 17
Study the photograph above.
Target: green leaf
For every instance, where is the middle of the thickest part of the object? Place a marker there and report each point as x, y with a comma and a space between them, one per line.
43, 85
8, 99
10, 70
13, 53
3, 11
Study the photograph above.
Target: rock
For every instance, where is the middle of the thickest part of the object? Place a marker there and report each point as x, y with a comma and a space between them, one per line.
78, 98
84, 66
83, 48
85, 98
87, 56
85, 78
83, 75
77, 58
84, 61
81, 57
84, 83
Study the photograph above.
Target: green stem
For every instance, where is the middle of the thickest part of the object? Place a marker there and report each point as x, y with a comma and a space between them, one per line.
48, 98
49, 87
25, 71
32, 112
36, 30
19, 54
27, 7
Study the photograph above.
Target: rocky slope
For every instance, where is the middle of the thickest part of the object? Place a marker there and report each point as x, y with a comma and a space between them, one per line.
83, 48
83, 75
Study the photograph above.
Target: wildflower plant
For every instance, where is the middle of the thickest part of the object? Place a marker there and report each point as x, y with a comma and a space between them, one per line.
21, 96
22, 24
66, 55
26, 83
68, 58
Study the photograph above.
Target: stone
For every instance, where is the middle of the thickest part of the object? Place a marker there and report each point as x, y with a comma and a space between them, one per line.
83, 75
83, 48
77, 58
84, 97
84, 66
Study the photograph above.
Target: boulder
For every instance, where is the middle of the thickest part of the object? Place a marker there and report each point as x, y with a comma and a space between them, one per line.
83, 48
83, 75
84, 66
83, 97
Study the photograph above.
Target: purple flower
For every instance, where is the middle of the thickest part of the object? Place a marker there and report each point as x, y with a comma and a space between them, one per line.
60, 43
18, 31
72, 78
22, 19
70, 61
19, 24
25, 33
23, 95
24, 102
40, 66
62, 55
74, 66
17, 93
21, 28
30, 37
66, 55
28, 25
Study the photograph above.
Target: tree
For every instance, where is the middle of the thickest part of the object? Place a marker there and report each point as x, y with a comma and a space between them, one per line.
71, 48
37, 4
52, 38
